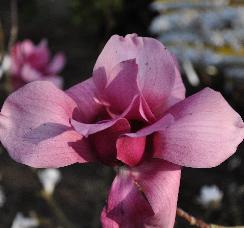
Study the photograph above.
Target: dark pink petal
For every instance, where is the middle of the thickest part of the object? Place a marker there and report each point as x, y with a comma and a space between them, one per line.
104, 142
119, 87
85, 95
130, 150
206, 131
144, 196
106, 221
156, 67
35, 129
57, 63
40, 56
131, 147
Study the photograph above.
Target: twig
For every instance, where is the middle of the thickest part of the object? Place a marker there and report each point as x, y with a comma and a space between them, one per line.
56, 210
198, 222
14, 23
191, 220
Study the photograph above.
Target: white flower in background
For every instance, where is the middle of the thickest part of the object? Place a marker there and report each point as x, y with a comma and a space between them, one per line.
210, 195
49, 179
24, 222
2, 197
5, 66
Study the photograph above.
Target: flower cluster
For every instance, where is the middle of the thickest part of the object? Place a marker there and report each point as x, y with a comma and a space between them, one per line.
31, 63
131, 114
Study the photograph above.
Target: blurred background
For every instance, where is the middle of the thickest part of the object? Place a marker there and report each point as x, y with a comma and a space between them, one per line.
208, 39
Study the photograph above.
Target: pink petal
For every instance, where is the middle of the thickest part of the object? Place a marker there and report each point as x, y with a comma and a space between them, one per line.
89, 129
104, 142
178, 91
145, 196
56, 80
131, 147
27, 47
156, 67
40, 56
85, 95
130, 150
29, 74
119, 87
35, 129
205, 133
106, 221
57, 63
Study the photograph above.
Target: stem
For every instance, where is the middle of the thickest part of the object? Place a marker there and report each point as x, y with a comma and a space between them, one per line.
14, 23
56, 210
198, 222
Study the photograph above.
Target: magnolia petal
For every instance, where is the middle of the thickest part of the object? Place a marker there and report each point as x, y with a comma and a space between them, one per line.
130, 150
144, 196
89, 129
35, 129
178, 92
106, 221
131, 147
56, 80
30, 74
206, 131
104, 142
119, 87
85, 96
156, 67
57, 63
40, 56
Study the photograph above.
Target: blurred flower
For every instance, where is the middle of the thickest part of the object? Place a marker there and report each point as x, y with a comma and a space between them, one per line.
32, 63
2, 197
24, 222
234, 163
132, 114
5, 66
49, 179
210, 195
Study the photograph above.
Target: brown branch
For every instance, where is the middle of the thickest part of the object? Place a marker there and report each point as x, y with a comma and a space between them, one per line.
198, 222
14, 23
191, 220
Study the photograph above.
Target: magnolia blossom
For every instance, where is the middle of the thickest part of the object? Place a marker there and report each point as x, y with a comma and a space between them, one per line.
31, 63
131, 114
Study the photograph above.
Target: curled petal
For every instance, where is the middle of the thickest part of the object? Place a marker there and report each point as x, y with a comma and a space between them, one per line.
85, 96
206, 131
144, 196
120, 87
130, 150
156, 66
131, 147
35, 129
104, 142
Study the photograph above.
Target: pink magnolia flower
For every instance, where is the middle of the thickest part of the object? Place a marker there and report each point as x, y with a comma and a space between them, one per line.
132, 114
31, 63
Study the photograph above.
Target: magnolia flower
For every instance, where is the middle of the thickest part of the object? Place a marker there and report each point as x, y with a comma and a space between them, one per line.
131, 114
31, 63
